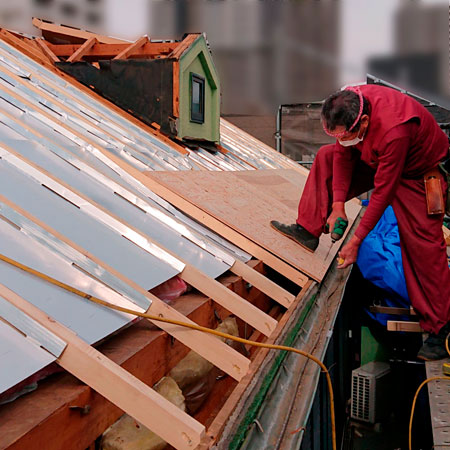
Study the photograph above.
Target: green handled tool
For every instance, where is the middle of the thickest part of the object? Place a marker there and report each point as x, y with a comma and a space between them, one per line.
339, 229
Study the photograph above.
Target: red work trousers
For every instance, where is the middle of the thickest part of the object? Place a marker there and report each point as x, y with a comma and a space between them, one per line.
422, 243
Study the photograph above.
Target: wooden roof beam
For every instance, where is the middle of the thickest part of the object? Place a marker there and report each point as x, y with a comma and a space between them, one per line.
183, 45
78, 55
45, 49
109, 51
52, 31
125, 53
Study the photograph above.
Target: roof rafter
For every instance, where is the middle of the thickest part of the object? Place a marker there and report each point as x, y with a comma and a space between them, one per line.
78, 55
124, 54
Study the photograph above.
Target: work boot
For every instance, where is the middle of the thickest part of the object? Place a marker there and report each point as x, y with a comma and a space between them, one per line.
434, 346
298, 234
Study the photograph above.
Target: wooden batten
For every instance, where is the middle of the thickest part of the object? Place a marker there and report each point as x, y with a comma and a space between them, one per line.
78, 55
268, 287
115, 383
183, 46
176, 89
400, 325
45, 48
126, 52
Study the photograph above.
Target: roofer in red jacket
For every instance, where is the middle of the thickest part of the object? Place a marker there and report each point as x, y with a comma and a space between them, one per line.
388, 142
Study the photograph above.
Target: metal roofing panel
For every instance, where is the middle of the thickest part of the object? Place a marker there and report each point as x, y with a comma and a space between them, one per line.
251, 150
19, 357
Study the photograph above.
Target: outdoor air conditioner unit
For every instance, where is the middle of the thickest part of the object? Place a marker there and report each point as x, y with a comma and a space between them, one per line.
370, 392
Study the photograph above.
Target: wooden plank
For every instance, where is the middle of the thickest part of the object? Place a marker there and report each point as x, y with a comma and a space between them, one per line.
262, 283
390, 310
176, 89
215, 351
126, 52
184, 45
229, 300
115, 383
72, 34
78, 55
398, 325
215, 429
247, 201
45, 48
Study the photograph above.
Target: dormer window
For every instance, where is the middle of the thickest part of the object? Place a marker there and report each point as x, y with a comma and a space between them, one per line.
197, 98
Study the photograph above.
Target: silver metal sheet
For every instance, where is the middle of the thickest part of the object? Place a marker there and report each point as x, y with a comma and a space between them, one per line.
87, 232
30, 328
121, 207
19, 357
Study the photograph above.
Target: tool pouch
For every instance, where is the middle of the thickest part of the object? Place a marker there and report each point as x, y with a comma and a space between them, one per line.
433, 192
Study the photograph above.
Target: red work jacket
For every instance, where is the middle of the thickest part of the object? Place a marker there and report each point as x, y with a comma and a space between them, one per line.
402, 140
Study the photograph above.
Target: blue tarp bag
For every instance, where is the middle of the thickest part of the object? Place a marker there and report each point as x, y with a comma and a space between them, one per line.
380, 261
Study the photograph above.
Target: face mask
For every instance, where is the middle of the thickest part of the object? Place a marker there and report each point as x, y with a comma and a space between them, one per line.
352, 142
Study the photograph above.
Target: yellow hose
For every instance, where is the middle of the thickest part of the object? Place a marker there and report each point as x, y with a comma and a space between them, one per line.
187, 325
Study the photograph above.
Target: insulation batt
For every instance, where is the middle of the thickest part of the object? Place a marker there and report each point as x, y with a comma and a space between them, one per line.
128, 434
192, 377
